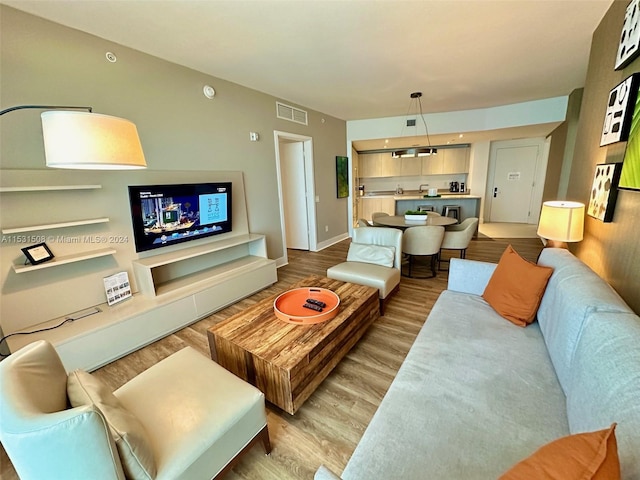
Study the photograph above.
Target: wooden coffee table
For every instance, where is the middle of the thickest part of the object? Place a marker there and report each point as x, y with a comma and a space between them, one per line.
286, 361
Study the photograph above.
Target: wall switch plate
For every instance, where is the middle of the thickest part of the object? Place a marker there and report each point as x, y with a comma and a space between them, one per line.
254, 137
326, 228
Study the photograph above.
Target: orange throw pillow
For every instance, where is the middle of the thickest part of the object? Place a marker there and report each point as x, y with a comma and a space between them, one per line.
516, 287
584, 456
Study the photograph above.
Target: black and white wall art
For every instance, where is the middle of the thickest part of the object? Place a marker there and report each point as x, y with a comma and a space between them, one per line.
604, 191
619, 112
629, 45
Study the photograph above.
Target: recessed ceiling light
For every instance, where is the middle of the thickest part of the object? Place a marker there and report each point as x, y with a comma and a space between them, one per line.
460, 136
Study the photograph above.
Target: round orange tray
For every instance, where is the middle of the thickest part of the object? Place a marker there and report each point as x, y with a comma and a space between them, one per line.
289, 305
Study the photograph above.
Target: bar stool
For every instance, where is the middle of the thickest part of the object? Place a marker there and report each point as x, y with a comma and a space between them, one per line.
426, 208
451, 211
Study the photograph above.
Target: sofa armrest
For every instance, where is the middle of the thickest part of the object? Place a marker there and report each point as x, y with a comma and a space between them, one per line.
323, 473
469, 276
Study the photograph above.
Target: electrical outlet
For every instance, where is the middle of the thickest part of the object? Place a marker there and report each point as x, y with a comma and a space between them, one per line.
326, 228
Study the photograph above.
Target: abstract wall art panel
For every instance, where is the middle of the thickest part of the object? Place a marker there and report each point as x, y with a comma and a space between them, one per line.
617, 119
630, 176
629, 45
342, 176
604, 191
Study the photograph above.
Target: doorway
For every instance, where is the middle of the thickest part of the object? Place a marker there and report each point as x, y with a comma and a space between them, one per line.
294, 166
514, 181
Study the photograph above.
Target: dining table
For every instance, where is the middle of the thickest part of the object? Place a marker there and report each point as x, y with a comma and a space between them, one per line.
399, 221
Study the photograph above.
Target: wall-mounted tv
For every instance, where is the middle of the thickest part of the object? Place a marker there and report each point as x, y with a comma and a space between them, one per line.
165, 215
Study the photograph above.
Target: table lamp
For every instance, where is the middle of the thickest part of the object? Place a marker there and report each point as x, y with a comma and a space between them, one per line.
561, 222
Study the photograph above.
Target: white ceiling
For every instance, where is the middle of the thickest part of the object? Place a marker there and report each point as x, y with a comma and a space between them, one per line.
355, 59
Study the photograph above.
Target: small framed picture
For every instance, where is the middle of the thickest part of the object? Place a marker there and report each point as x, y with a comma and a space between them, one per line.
619, 112
629, 45
37, 253
604, 191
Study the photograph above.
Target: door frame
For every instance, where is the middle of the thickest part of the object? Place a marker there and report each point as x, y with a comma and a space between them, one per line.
535, 201
307, 149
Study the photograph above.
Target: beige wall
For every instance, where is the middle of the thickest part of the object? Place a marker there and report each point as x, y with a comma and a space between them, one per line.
611, 249
46, 63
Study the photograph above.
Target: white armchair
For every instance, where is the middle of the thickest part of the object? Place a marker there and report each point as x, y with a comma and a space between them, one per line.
458, 237
186, 418
374, 259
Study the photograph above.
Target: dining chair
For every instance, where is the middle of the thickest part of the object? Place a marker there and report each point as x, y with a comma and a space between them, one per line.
375, 215
363, 223
422, 241
458, 237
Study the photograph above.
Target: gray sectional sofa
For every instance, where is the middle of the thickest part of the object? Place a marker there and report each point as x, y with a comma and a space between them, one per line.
476, 394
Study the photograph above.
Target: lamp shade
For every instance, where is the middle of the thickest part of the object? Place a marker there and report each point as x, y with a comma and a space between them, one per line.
90, 141
561, 221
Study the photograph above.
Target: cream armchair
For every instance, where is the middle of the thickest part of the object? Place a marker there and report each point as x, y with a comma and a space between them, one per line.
374, 259
188, 419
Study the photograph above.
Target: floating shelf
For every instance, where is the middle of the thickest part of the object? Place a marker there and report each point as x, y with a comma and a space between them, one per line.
57, 261
47, 188
33, 228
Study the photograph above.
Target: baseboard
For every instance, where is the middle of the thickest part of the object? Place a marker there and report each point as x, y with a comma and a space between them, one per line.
331, 241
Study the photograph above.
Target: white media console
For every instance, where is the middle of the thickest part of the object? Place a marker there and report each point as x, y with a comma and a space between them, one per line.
173, 289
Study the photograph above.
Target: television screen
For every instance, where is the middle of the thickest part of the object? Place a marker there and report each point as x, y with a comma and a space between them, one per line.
168, 214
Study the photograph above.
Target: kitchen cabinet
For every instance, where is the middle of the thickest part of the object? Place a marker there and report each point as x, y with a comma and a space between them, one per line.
411, 166
456, 160
447, 161
378, 165
368, 205
433, 164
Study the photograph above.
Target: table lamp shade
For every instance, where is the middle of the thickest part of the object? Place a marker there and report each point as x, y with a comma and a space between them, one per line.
561, 221
90, 141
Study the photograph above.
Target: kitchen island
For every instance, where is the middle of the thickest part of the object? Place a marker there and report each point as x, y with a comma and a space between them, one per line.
398, 204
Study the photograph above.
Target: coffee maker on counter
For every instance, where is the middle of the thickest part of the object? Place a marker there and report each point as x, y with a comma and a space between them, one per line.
454, 187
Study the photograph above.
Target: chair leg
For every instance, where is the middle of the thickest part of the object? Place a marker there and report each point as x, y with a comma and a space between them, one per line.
433, 264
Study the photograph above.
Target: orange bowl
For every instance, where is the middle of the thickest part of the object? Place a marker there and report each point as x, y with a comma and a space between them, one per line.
288, 307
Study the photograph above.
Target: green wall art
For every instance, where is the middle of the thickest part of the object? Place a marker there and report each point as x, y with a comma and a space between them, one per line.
630, 176
342, 176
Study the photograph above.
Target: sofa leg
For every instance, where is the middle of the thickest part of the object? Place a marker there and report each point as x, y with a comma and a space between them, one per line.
261, 436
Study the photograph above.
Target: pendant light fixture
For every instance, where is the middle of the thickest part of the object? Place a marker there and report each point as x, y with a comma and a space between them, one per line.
420, 151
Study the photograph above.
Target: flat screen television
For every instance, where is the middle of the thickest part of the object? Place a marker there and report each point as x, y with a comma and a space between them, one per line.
165, 215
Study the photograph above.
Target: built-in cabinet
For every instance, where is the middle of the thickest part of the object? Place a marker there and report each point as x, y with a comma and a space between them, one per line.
368, 205
379, 165
447, 161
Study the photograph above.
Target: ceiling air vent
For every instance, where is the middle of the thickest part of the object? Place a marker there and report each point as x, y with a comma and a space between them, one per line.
287, 112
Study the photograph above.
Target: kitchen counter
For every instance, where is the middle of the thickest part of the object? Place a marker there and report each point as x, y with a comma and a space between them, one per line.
414, 195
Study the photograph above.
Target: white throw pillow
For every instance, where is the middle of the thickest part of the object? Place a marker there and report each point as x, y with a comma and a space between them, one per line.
376, 254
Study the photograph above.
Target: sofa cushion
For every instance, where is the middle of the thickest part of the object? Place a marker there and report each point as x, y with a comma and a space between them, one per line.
376, 254
129, 434
472, 380
583, 456
605, 383
574, 291
516, 287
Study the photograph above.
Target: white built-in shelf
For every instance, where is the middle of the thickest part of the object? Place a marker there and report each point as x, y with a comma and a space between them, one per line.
57, 261
50, 226
47, 188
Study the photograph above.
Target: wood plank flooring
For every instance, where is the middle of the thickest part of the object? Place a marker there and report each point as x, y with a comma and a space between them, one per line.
327, 428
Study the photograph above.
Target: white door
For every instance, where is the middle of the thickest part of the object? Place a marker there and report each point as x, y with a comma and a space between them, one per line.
294, 195
512, 186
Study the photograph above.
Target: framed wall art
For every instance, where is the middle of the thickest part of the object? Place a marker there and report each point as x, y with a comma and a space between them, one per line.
342, 176
630, 175
629, 45
604, 191
617, 119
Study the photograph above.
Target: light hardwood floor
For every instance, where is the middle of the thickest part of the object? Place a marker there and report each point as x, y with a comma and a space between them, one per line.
327, 428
